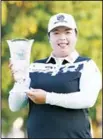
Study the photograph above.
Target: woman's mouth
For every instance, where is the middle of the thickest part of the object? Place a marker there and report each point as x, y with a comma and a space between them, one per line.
63, 45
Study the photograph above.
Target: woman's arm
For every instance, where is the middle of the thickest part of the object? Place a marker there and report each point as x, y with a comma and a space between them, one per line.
90, 85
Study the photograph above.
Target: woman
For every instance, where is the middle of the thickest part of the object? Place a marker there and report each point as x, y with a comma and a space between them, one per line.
61, 87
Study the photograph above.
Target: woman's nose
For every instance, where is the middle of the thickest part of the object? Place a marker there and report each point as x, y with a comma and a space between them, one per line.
62, 36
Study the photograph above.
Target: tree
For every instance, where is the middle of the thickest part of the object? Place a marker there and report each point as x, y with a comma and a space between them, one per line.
29, 19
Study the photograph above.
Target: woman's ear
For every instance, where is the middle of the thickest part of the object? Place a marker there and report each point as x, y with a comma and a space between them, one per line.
49, 40
49, 37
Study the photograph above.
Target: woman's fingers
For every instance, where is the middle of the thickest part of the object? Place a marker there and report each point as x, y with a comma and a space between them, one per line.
11, 69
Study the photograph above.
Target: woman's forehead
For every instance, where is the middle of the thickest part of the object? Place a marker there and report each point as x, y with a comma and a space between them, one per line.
61, 28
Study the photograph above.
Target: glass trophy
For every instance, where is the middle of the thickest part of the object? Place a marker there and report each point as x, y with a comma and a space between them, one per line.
20, 50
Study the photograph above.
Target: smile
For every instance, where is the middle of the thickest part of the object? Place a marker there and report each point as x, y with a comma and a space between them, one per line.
62, 45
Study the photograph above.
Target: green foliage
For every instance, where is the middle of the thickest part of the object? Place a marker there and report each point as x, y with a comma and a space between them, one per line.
29, 19
4, 13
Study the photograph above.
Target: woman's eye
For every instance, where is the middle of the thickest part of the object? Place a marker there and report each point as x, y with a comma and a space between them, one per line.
68, 32
56, 33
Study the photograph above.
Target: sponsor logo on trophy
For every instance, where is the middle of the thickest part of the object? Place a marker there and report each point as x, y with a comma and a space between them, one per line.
20, 50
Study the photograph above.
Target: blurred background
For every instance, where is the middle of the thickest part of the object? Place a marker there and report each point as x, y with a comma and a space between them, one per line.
29, 19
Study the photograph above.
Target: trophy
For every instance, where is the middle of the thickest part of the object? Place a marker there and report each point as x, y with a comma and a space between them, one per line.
20, 50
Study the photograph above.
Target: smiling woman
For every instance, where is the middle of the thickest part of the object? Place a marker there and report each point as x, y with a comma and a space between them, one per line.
63, 41
60, 88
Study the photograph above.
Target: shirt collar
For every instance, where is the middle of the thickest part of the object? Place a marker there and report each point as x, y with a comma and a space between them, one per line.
74, 55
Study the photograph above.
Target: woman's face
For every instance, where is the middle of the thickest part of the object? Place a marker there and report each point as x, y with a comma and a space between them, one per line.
63, 41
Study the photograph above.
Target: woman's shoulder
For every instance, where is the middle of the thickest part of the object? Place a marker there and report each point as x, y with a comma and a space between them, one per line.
41, 60
38, 64
82, 58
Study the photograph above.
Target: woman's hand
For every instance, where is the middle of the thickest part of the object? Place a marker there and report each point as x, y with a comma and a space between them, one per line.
12, 70
38, 96
17, 74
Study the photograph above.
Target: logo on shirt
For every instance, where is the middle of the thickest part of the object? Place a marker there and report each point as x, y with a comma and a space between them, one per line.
54, 69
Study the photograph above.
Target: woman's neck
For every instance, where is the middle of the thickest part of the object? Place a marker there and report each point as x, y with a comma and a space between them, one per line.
59, 56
